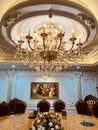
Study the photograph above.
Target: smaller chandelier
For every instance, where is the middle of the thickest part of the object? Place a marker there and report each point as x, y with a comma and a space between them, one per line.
49, 51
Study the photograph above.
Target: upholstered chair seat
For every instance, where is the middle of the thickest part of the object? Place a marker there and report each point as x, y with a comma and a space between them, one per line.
43, 105
58, 105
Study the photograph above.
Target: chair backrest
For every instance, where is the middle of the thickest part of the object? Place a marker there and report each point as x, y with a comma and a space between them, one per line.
20, 107
4, 109
81, 107
43, 105
58, 105
90, 100
12, 103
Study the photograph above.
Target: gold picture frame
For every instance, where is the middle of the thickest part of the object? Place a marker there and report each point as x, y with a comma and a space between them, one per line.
44, 90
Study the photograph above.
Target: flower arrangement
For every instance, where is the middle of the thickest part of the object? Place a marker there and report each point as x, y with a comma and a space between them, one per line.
47, 121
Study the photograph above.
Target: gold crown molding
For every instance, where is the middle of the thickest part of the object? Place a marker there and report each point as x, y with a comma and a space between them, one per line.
67, 71
19, 62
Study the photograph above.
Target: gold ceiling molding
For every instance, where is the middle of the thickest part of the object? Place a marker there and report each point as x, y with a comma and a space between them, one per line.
87, 20
10, 20
16, 61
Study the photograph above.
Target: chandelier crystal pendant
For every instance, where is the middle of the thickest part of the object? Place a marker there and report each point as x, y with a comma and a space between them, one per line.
46, 51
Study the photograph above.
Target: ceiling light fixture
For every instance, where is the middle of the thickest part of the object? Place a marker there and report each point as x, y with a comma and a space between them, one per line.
48, 52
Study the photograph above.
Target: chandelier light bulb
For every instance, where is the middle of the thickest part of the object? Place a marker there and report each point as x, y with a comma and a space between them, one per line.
79, 40
73, 32
29, 33
60, 26
21, 36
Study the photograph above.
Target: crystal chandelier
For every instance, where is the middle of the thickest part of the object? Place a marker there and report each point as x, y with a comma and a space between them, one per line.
47, 51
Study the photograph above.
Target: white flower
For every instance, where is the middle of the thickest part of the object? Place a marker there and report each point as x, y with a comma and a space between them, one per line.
39, 128
43, 128
38, 121
50, 124
52, 116
40, 115
46, 113
52, 129
33, 127
57, 127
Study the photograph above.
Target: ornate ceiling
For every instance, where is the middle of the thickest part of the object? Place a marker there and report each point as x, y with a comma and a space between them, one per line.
18, 16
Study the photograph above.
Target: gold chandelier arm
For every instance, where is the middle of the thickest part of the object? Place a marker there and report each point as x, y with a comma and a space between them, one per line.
30, 46
44, 35
60, 43
72, 39
71, 47
44, 42
60, 35
29, 37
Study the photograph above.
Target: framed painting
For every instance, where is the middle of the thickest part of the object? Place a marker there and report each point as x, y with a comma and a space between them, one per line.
44, 90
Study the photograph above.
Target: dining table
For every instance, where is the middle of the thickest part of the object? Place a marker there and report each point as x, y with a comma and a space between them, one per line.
68, 122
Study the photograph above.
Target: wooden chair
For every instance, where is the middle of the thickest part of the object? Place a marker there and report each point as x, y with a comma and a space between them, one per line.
43, 105
20, 107
90, 100
4, 109
81, 107
58, 105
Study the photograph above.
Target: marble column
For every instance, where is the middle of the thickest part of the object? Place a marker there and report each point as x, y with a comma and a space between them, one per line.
10, 81
79, 92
